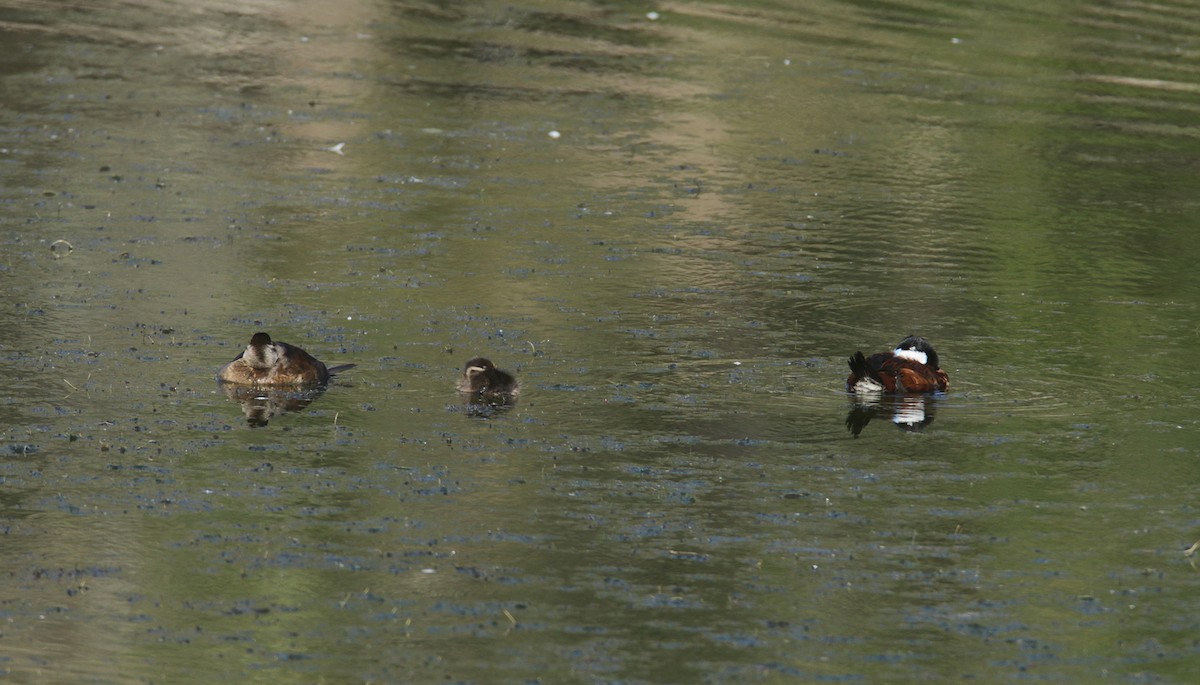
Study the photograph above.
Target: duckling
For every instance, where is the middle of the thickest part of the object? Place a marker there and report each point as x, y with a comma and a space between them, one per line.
276, 363
480, 378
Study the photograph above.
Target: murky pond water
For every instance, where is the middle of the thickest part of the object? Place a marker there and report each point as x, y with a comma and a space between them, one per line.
674, 222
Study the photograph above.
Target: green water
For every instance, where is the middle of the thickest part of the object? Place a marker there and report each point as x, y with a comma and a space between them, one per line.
674, 230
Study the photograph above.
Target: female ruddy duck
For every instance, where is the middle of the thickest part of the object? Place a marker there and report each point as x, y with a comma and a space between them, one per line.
276, 363
481, 378
910, 368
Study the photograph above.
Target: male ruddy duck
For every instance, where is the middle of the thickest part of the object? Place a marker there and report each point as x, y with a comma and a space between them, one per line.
276, 363
481, 378
910, 368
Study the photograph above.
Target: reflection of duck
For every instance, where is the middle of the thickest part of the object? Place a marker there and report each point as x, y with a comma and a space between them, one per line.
261, 404
907, 412
276, 363
910, 368
486, 384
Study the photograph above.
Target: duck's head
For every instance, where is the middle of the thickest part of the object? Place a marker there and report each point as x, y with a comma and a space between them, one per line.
261, 353
477, 366
918, 349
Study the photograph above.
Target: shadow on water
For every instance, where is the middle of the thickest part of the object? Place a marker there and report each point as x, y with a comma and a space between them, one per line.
906, 412
487, 407
261, 404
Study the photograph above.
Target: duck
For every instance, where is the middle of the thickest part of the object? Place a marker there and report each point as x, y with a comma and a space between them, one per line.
265, 362
912, 367
481, 378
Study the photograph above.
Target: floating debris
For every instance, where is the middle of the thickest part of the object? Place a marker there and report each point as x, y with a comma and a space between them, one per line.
61, 248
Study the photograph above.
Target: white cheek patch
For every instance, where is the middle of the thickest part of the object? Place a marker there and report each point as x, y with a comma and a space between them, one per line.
915, 355
265, 358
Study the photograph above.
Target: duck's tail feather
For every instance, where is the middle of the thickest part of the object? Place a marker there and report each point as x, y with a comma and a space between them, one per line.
858, 365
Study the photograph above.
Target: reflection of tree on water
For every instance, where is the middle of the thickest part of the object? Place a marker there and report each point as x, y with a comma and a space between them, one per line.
261, 404
907, 412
